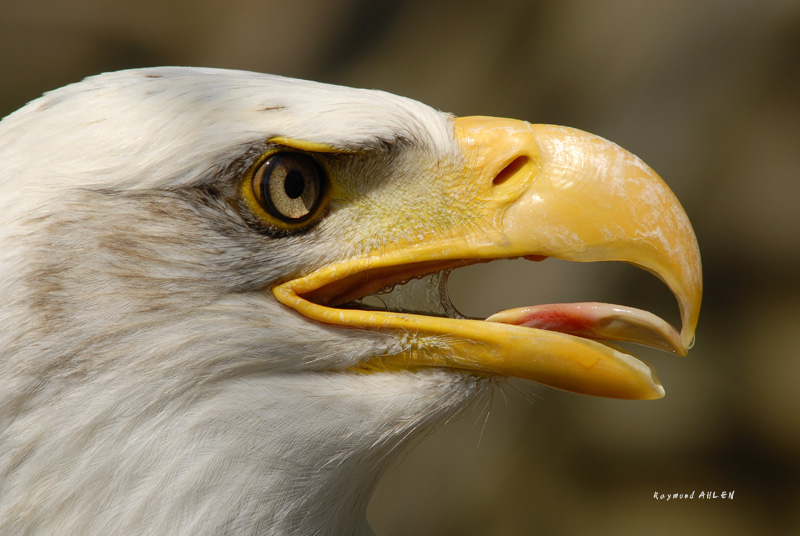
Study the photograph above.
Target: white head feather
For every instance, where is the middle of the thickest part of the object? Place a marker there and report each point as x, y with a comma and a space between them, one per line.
148, 383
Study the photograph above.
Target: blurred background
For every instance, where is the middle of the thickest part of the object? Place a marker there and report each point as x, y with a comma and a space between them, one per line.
706, 92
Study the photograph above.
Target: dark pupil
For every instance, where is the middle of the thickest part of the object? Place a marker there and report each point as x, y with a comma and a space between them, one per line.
294, 184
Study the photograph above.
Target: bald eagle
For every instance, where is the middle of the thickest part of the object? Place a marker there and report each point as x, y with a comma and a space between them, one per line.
184, 344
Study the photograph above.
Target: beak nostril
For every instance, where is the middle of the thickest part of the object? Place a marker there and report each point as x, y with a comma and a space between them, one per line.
510, 170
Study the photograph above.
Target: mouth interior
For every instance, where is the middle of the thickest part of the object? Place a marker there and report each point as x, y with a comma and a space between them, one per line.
427, 295
421, 289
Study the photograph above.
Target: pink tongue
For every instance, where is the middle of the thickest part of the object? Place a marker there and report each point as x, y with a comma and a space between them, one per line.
597, 321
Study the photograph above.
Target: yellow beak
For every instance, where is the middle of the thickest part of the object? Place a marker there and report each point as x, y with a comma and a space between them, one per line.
543, 191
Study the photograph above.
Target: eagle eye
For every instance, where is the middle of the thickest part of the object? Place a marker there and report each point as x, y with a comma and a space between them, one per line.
289, 186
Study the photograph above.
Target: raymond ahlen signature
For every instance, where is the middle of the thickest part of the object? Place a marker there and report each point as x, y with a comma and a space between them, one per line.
702, 495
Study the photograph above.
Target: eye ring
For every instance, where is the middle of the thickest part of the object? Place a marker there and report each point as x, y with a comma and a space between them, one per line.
289, 186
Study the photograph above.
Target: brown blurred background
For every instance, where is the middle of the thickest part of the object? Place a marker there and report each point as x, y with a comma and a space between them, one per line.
706, 92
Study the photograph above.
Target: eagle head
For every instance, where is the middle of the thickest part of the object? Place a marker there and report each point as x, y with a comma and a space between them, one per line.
185, 347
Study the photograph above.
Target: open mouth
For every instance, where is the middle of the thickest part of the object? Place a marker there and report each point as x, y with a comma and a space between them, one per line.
428, 295
414, 299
